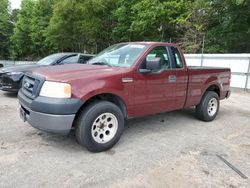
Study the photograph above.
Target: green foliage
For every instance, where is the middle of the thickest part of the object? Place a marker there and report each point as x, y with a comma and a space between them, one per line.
45, 26
195, 26
229, 26
21, 39
64, 32
159, 20
6, 27
41, 14
80, 25
123, 17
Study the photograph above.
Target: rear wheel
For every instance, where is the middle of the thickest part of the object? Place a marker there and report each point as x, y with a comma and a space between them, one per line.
99, 126
208, 107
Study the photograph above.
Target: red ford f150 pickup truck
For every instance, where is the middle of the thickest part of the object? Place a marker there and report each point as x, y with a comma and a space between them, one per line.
124, 81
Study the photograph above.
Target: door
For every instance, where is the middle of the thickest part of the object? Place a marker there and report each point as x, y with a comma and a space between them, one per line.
181, 77
155, 92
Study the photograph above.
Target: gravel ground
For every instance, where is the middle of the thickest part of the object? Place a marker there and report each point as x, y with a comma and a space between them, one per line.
165, 150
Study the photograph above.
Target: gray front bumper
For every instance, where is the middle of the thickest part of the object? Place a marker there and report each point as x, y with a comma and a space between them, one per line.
47, 114
60, 124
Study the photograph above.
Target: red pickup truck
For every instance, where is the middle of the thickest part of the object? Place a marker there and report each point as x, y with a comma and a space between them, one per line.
124, 81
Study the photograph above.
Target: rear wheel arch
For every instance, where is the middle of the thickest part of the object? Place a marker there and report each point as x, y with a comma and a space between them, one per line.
213, 87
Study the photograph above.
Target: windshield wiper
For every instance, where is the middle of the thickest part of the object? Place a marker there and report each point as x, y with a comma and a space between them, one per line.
101, 63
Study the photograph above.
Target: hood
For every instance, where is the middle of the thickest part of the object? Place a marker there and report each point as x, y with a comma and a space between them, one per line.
19, 68
67, 73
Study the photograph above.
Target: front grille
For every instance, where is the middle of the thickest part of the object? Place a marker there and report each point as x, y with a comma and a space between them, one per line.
31, 85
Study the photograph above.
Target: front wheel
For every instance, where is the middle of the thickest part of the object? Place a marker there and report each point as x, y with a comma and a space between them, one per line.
99, 126
208, 107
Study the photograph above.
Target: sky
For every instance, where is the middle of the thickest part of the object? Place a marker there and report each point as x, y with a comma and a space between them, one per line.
15, 3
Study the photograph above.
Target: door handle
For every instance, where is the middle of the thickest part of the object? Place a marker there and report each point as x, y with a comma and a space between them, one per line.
171, 78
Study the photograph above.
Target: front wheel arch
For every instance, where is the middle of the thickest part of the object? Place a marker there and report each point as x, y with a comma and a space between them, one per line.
106, 97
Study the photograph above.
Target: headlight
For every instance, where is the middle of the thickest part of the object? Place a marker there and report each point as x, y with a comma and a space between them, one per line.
13, 73
55, 90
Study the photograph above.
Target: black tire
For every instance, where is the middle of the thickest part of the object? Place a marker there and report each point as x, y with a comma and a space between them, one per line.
85, 122
202, 108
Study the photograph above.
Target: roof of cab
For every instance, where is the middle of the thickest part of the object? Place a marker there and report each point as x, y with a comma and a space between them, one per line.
73, 53
151, 43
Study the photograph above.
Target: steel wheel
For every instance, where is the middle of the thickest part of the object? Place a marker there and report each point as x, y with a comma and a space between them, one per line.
104, 128
212, 107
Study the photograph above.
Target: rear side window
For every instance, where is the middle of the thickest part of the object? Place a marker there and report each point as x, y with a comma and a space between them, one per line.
177, 57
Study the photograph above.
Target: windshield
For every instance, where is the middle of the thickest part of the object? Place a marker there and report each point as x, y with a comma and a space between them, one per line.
50, 59
119, 55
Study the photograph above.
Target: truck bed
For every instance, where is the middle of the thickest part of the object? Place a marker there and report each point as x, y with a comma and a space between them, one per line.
199, 78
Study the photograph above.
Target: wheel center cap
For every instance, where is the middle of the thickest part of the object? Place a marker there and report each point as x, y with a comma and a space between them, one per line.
102, 125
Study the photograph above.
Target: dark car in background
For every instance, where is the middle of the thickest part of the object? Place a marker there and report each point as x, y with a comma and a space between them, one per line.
11, 77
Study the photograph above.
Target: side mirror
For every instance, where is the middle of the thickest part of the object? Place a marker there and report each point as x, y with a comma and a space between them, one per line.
152, 65
1, 65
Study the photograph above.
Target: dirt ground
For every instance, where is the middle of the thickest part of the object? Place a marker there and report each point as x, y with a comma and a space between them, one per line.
166, 150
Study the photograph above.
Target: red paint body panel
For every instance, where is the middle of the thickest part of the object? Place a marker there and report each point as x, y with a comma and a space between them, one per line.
147, 93
202, 78
153, 93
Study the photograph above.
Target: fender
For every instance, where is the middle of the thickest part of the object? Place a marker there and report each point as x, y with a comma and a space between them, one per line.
98, 87
100, 91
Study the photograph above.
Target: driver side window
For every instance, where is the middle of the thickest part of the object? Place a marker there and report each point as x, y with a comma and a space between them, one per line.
158, 52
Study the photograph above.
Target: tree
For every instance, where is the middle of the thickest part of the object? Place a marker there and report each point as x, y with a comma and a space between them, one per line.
195, 27
123, 17
14, 14
64, 31
80, 25
41, 14
104, 23
229, 26
159, 20
46, 26
21, 39
6, 27
98, 23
